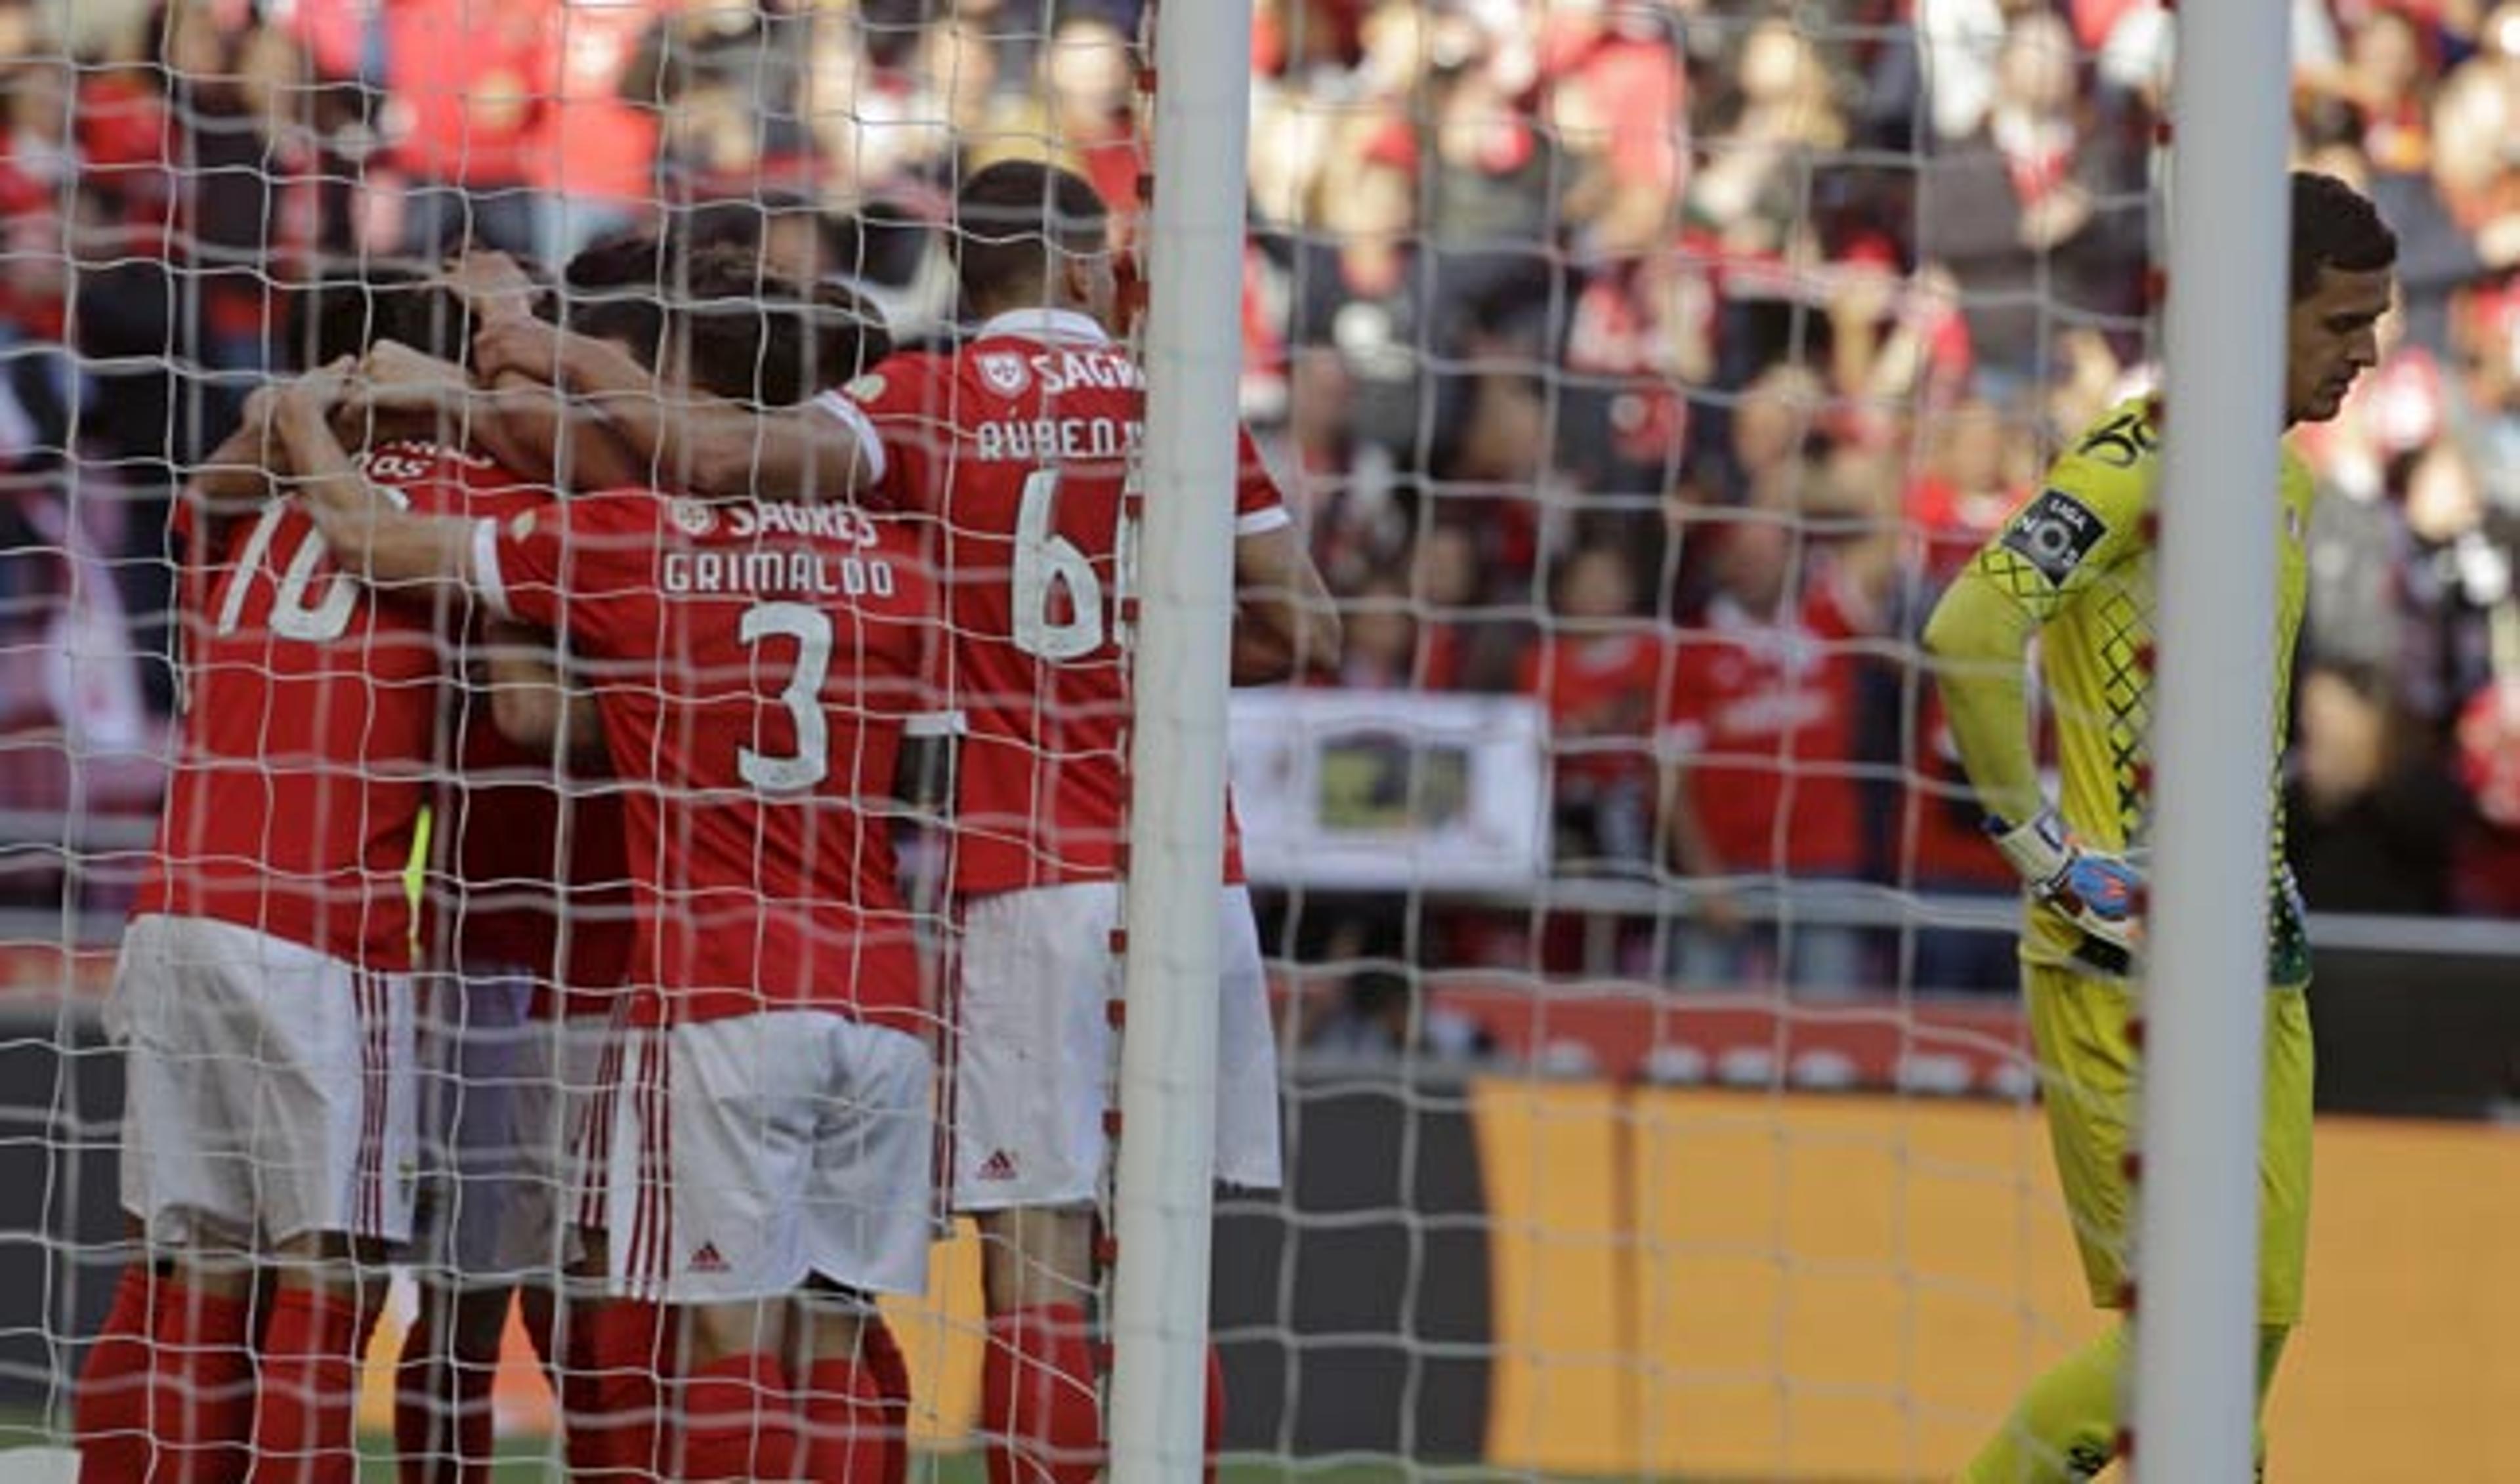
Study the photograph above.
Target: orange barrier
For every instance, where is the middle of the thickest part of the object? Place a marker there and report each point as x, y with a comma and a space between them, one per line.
1754, 1285
1853, 1289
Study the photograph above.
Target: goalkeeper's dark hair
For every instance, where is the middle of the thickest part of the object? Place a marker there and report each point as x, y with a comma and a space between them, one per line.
747, 332
1014, 222
2334, 226
349, 309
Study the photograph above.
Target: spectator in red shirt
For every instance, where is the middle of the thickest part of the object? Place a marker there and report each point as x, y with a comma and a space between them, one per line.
1940, 850
1976, 471
466, 82
1382, 650
1619, 98
591, 149
1596, 670
1760, 798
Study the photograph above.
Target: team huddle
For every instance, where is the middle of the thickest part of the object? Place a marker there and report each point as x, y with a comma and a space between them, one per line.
634, 621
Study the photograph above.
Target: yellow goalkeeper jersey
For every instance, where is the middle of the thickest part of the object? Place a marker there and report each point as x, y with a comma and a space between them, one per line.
2077, 556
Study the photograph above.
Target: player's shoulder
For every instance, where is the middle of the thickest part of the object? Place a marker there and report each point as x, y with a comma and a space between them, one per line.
906, 381
2117, 458
2102, 483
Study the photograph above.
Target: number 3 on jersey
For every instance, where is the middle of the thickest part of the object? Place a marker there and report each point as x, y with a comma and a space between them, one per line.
1047, 564
805, 767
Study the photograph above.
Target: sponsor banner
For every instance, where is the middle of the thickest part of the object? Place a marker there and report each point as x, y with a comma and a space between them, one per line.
1388, 791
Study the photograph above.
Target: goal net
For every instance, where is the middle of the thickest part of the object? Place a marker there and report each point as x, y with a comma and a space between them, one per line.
1655, 1097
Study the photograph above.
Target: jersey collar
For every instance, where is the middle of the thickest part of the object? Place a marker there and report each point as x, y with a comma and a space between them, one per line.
1045, 325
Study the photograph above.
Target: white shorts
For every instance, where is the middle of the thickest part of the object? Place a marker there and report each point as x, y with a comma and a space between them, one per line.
750, 1153
502, 1095
269, 1088
1034, 1068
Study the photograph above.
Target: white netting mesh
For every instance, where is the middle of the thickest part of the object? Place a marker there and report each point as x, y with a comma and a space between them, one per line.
1637, 373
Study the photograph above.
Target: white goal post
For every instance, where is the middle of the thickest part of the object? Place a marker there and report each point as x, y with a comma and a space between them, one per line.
1193, 353
2196, 1241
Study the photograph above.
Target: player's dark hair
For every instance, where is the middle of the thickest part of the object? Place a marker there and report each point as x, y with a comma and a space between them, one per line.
747, 333
1012, 224
751, 335
609, 291
2334, 226
343, 313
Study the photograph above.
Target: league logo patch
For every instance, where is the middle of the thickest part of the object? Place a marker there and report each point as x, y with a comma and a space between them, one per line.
2054, 533
866, 388
1003, 372
692, 517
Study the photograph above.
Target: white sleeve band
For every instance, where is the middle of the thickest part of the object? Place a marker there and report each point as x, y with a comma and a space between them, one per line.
854, 417
486, 579
934, 724
2040, 849
1259, 522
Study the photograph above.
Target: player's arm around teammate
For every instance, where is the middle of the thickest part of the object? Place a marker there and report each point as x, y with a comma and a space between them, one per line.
699, 442
2074, 566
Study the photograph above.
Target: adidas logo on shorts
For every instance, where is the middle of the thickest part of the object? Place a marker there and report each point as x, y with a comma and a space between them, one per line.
708, 1260
1000, 1165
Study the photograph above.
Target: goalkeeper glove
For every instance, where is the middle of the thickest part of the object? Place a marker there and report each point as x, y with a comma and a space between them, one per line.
2099, 893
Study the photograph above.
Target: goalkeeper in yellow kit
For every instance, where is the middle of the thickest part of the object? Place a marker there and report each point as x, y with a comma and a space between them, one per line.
2074, 566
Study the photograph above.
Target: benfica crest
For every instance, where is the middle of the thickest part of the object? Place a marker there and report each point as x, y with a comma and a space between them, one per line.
694, 517
1003, 372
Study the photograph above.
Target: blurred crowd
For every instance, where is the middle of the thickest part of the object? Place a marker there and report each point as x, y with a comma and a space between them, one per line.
1657, 358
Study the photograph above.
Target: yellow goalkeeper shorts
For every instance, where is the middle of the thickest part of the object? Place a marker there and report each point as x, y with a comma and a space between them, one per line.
2087, 1065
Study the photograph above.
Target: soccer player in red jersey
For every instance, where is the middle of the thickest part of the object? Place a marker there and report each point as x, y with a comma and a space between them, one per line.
691, 430
756, 665
264, 996
1022, 446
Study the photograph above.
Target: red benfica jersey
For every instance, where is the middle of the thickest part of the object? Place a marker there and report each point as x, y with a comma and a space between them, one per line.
309, 732
1021, 446
756, 665
1762, 712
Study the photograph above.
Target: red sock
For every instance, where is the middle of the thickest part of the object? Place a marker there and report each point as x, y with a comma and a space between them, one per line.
187, 1409
845, 1424
1215, 1416
110, 1414
304, 1423
612, 1390
442, 1415
739, 1422
1039, 1411
880, 1354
